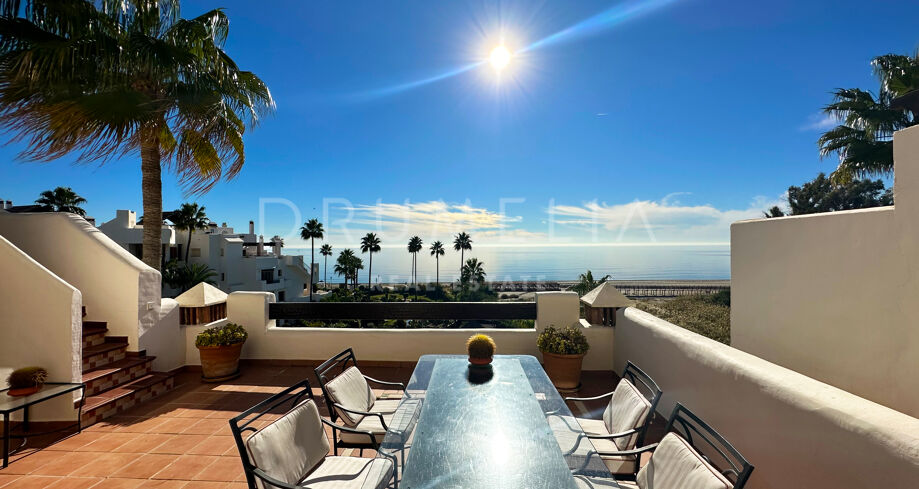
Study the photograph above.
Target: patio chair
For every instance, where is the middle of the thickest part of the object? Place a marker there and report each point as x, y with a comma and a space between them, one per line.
691, 454
291, 452
625, 420
349, 397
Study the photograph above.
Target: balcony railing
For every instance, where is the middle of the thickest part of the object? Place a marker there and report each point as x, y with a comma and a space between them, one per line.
402, 310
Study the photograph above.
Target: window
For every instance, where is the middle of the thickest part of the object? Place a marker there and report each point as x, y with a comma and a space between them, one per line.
279, 272
281, 296
223, 277
221, 251
268, 275
196, 252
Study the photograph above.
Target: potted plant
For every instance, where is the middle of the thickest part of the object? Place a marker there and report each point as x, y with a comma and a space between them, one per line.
25, 381
481, 349
563, 353
219, 348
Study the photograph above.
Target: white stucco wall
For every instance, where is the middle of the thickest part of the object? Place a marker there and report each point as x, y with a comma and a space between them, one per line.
796, 431
41, 326
834, 296
268, 342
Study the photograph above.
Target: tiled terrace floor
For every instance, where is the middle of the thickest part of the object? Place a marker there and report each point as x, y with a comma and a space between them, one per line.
182, 440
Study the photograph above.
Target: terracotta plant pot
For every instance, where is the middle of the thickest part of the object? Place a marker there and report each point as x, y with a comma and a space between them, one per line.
24, 391
563, 370
219, 363
480, 361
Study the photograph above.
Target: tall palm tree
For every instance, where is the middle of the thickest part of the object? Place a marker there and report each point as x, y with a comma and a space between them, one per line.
863, 140
326, 251
106, 79
414, 246
190, 217
186, 276
586, 283
370, 243
62, 199
437, 251
462, 242
344, 264
473, 271
312, 230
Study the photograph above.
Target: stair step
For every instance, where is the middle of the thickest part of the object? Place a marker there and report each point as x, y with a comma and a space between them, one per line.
95, 324
114, 348
93, 336
116, 373
126, 396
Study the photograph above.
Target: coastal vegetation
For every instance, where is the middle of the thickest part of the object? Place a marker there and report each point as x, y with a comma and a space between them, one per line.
707, 314
586, 283
461, 243
326, 252
822, 195
437, 251
102, 80
183, 276
312, 230
370, 244
61, 199
190, 217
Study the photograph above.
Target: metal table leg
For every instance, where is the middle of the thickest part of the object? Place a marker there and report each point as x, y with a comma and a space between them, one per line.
6, 439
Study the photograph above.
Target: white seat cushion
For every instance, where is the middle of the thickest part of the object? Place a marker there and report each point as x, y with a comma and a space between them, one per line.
385, 406
369, 423
291, 446
615, 464
627, 410
676, 465
350, 389
350, 473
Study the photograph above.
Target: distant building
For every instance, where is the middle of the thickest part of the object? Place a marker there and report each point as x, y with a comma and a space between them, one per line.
243, 261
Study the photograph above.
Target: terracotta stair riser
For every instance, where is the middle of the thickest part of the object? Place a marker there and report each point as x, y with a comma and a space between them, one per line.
119, 377
120, 404
95, 339
112, 350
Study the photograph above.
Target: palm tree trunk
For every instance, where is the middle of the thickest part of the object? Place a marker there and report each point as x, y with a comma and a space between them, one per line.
461, 264
437, 259
325, 273
370, 271
188, 246
312, 259
152, 187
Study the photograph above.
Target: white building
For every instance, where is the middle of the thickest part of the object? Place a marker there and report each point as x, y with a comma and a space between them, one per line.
243, 261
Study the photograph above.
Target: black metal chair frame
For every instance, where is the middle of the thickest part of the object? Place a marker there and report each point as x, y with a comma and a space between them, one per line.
292, 396
652, 393
336, 365
691, 428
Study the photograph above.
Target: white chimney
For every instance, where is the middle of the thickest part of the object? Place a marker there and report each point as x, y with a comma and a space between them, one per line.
251, 227
261, 245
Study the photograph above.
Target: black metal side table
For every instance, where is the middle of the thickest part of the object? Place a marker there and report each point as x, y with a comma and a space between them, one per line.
10, 404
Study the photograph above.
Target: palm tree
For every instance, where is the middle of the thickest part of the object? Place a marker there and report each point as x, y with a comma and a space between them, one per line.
102, 80
190, 217
326, 251
62, 199
344, 264
185, 276
312, 230
462, 242
863, 140
437, 251
586, 283
473, 271
414, 246
370, 243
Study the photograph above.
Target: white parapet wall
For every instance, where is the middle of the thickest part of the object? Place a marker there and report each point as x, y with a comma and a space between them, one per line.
41, 326
835, 296
269, 342
796, 431
116, 287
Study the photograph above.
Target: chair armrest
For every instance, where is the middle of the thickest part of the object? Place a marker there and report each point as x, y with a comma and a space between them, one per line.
589, 398
362, 413
400, 385
613, 435
337, 427
637, 451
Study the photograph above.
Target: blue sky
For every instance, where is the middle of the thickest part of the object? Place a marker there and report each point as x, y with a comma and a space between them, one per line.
644, 121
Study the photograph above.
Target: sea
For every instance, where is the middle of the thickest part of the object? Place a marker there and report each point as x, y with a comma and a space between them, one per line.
547, 263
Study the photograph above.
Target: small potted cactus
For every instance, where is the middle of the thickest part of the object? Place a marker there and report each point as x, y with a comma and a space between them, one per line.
220, 348
481, 349
25, 381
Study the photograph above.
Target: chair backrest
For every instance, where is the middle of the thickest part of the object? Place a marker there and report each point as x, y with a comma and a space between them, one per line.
645, 385
709, 445
352, 386
289, 446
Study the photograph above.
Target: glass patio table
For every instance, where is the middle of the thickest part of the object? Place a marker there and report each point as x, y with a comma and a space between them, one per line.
502, 426
10, 404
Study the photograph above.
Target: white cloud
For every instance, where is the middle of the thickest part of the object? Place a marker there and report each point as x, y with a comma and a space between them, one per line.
819, 122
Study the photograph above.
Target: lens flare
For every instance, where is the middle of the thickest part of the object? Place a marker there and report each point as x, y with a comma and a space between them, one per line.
499, 58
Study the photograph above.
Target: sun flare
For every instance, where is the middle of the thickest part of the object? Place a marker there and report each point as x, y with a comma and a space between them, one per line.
499, 57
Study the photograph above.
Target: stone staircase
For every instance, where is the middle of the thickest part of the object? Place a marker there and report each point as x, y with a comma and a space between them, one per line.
116, 379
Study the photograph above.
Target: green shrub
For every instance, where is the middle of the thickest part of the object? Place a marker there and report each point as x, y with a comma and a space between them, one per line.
702, 314
22, 378
480, 346
229, 334
568, 341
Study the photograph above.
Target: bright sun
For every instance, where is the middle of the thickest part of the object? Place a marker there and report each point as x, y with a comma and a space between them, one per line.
499, 57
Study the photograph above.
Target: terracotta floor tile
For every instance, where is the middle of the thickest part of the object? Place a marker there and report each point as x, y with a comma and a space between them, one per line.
205, 485
32, 482
31, 462
107, 443
118, 483
208, 427
237, 485
65, 463
8, 478
146, 466
225, 469
145, 425
143, 443
104, 465
163, 484
185, 467
214, 445
76, 441
75, 483
179, 444
174, 425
